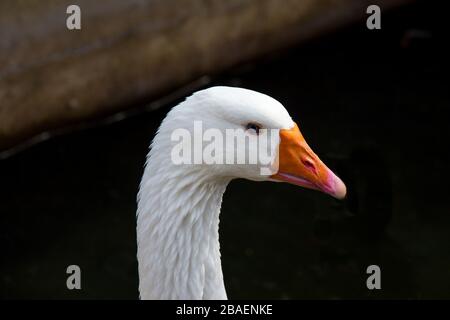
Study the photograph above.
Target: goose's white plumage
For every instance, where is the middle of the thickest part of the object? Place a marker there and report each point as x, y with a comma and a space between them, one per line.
179, 205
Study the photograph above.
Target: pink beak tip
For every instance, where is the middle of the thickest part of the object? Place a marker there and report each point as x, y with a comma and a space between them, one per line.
338, 189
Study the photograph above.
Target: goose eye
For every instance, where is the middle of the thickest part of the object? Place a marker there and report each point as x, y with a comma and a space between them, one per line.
253, 126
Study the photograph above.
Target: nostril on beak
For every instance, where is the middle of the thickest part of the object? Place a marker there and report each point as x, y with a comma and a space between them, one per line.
310, 165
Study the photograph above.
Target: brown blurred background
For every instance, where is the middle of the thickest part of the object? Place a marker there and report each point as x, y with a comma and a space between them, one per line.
131, 51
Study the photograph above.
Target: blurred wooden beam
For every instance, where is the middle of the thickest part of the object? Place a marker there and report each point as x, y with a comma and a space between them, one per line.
136, 49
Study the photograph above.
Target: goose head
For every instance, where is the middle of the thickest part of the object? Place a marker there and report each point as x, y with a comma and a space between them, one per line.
228, 132
215, 135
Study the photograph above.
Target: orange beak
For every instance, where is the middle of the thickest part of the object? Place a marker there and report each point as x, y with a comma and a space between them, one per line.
299, 165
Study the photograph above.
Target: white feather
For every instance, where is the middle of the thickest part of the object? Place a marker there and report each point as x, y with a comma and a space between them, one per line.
179, 205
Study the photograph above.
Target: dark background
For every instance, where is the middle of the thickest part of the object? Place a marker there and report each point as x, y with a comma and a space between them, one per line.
373, 104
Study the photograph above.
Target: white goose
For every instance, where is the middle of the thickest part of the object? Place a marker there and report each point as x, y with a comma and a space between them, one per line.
179, 205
